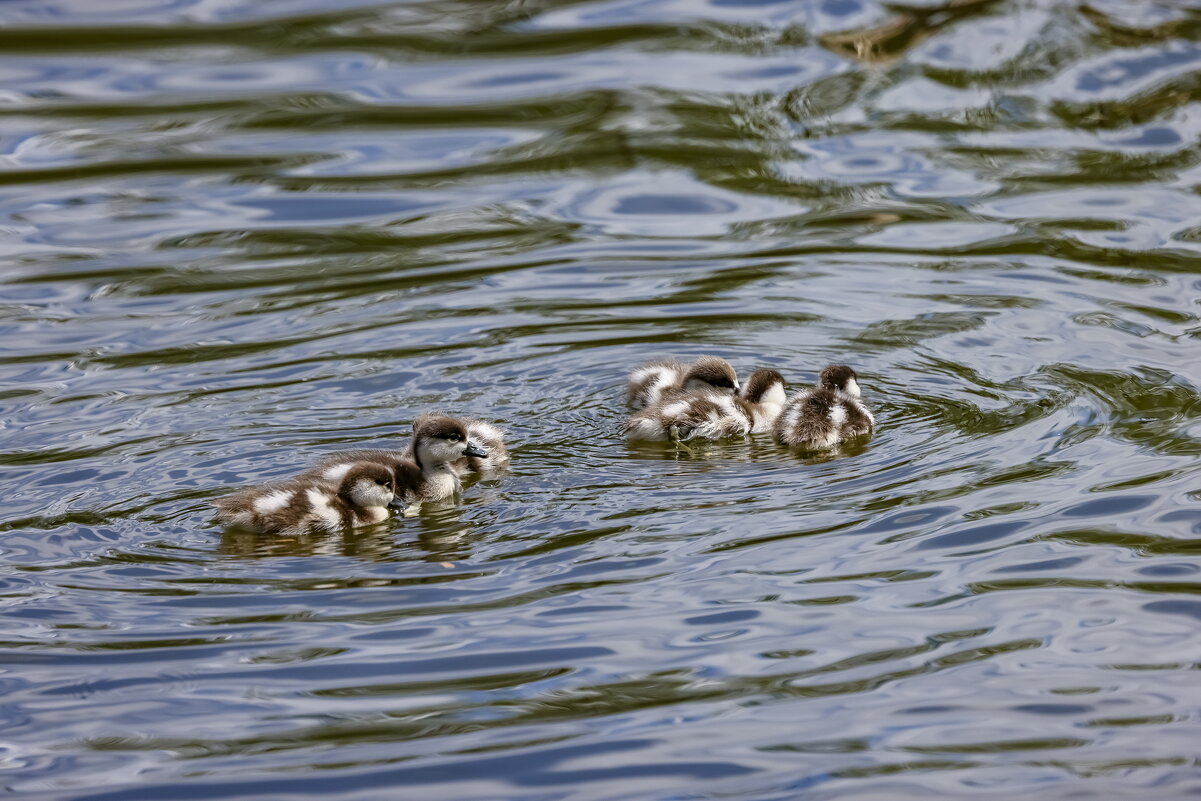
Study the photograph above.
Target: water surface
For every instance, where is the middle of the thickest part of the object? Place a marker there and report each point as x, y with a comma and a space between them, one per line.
237, 235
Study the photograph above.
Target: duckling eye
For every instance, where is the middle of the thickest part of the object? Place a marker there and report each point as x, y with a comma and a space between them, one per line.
383, 482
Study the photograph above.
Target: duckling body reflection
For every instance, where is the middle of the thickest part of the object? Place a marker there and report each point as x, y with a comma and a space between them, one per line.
682, 415
653, 381
822, 417
361, 496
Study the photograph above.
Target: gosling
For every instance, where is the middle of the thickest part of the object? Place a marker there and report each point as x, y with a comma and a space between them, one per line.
489, 438
822, 417
652, 381
360, 497
683, 415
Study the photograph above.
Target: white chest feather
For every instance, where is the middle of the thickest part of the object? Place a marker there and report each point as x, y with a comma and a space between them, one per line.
438, 485
765, 415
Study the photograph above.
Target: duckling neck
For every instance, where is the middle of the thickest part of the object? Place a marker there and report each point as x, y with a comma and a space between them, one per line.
429, 465
438, 469
766, 412
441, 479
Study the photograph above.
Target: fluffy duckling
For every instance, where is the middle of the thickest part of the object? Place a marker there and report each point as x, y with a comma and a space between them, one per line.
360, 497
650, 382
822, 417
492, 440
685, 415
425, 472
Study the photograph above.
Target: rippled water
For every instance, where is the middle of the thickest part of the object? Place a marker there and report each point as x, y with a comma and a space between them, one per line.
239, 234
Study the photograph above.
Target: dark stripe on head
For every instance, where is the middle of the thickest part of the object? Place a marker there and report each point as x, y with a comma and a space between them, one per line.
439, 426
370, 471
714, 371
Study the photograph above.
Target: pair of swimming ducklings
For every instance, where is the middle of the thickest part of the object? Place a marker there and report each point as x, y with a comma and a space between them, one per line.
360, 487
680, 402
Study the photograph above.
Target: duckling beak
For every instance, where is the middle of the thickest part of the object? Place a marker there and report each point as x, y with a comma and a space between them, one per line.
397, 505
474, 450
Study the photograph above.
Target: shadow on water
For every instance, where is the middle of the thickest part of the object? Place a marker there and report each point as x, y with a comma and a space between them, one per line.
239, 236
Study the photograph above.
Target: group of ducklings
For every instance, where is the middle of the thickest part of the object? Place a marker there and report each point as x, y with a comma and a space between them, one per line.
673, 401
703, 400
360, 487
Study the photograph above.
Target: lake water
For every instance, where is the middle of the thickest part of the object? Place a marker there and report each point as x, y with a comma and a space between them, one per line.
237, 235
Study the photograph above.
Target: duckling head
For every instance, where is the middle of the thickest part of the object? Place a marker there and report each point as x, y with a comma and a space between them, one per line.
840, 378
711, 372
438, 439
368, 484
765, 386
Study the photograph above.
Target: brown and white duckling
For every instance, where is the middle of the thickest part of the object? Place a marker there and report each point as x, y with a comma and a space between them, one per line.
824, 416
423, 472
683, 415
360, 497
650, 382
492, 440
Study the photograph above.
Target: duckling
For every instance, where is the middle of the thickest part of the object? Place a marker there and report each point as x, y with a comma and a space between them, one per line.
360, 497
425, 471
651, 381
843, 380
824, 416
683, 415
489, 438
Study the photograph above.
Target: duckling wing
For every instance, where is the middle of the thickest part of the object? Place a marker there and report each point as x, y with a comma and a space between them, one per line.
333, 467
267, 509
690, 415
648, 382
859, 419
809, 420
237, 510
713, 416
